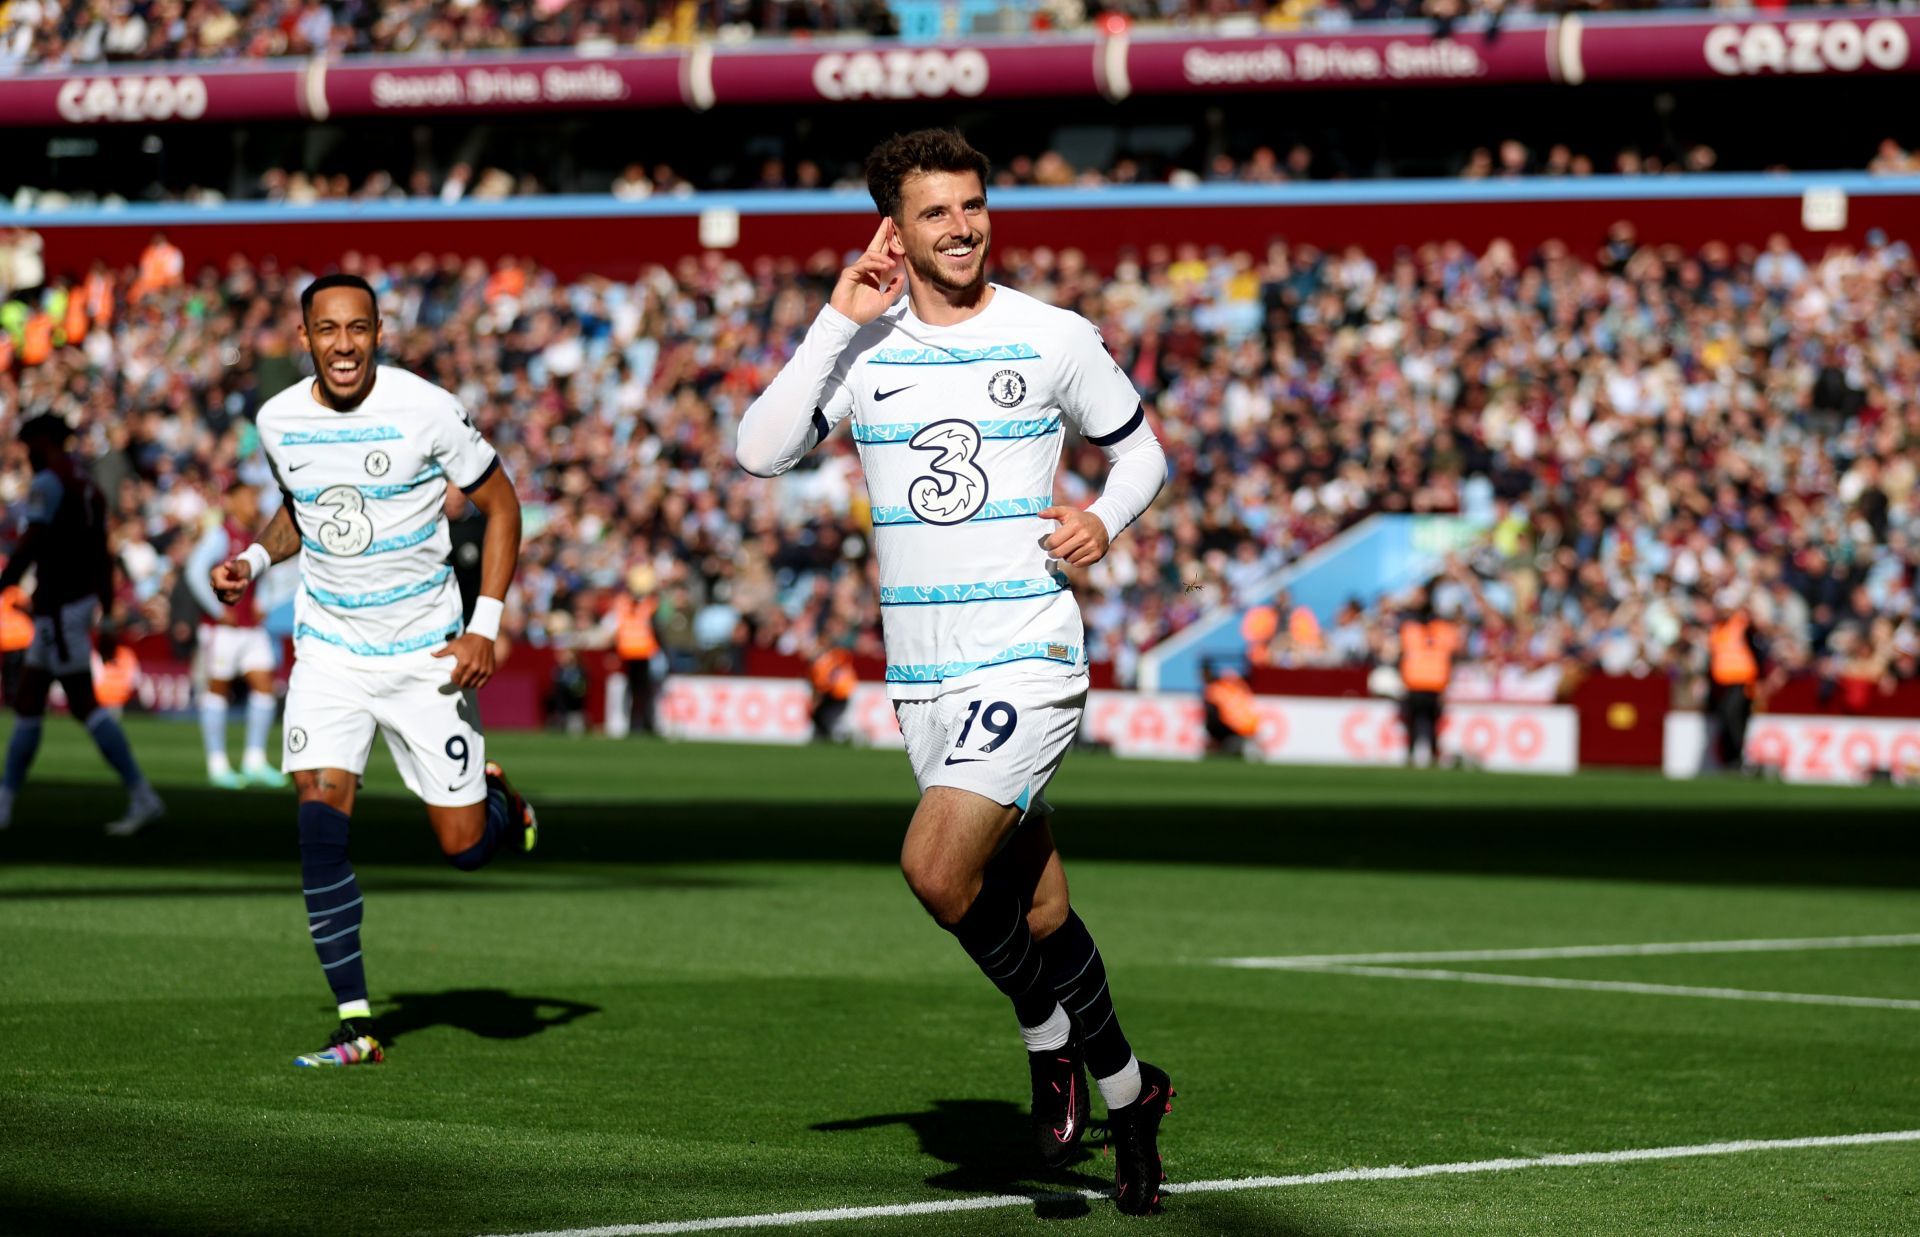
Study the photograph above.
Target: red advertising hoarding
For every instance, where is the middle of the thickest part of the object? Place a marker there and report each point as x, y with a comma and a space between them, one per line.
1569, 50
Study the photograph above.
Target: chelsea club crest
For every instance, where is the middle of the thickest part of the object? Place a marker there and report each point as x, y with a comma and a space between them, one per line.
1007, 388
378, 463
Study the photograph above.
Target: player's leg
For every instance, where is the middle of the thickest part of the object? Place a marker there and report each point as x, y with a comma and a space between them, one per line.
29, 720
945, 858
328, 735
640, 696
214, 701
433, 730
66, 654
1056, 1063
256, 663
144, 805
335, 912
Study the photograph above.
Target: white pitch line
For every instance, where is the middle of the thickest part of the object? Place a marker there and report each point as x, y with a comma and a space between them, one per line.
1614, 985
1788, 945
1392, 1172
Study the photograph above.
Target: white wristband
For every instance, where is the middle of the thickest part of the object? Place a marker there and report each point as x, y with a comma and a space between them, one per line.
256, 557
486, 618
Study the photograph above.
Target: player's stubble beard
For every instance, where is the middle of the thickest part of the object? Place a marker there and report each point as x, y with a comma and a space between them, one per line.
339, 399
927, 266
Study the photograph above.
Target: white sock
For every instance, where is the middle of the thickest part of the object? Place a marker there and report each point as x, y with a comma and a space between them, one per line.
1051, 1035
213, 732
260, 711
361, 1009
1121, 1089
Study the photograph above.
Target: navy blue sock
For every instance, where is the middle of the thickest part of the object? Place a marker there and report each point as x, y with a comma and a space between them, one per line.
995, 935
21, 749
112, 742
333, 900
1077, 978
481, 853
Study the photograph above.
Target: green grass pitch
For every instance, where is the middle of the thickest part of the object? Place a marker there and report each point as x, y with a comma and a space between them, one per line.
709, 994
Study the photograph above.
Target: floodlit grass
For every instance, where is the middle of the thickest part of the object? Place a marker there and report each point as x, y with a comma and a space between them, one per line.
709, 994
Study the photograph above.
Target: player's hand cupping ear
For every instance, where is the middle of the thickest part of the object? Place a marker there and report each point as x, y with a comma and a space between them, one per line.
874, 282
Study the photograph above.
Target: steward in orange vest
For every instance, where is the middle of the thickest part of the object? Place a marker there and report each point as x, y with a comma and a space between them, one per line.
1733, 666
115, 678
636, 643
1427, 649
833, 679
1232, 722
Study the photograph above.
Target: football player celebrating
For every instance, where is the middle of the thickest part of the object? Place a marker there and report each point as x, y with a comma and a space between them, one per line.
364, 453
960, 393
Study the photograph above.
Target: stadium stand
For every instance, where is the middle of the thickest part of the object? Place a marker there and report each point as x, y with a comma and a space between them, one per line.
1656, 432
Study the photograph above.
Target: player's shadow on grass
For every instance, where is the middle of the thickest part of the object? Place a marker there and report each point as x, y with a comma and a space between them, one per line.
988, 1144
491, 1013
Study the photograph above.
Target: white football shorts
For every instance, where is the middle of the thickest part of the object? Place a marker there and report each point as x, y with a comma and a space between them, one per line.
229, 653
998, 735
431, 727
63, 642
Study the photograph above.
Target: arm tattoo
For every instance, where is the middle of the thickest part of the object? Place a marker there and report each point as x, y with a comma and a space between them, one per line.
280, 538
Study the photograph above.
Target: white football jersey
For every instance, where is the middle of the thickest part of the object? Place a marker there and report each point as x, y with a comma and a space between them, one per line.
367, 487
959, 430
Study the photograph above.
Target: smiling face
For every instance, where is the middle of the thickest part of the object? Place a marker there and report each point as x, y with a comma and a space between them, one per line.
943, 229
342, 332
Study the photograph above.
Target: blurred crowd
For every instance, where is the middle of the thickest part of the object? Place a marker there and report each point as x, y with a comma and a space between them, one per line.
65, 33
462, 180
1646, 434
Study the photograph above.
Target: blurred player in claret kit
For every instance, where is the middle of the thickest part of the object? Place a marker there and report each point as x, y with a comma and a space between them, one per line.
65, 541
960, 393
364, 453
234, 648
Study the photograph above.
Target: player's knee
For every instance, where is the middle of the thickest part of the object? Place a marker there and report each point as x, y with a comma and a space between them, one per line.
80, 701
314, 786
944, 891
30, 700
1046, 916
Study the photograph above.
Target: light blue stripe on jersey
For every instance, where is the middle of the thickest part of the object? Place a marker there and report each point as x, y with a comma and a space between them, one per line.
378, 491
302, 631
1005, 509
935, 672
953, 356
362, 433
385, 544
1039, 427
958, 594
385, 597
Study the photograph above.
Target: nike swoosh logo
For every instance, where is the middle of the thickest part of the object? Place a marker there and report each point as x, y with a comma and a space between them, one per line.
1065, 1133
316, 927
971, 760
299, 466
879, 395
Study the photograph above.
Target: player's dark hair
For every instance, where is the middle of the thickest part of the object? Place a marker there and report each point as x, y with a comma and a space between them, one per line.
338, 279
50, 426
916, 154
